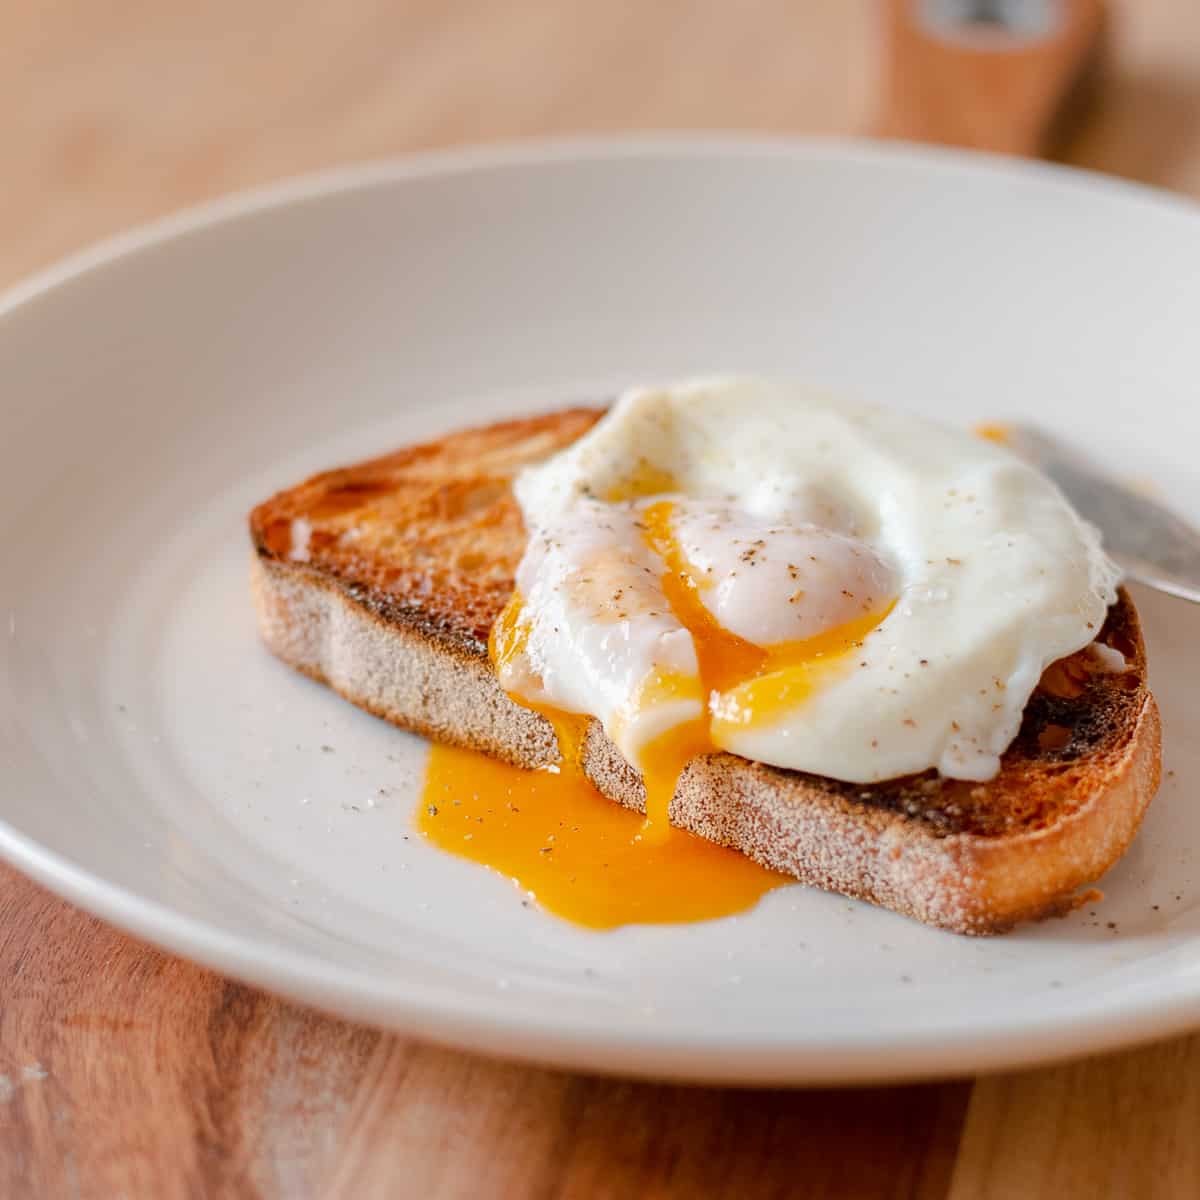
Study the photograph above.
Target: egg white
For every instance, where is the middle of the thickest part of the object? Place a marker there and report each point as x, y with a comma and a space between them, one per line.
991, 574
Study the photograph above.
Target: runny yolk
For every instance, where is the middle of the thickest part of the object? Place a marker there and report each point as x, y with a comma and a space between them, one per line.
584, 857
994, 432
662, 761
725, 659
577, 854
506, 645
644, 478
746, 684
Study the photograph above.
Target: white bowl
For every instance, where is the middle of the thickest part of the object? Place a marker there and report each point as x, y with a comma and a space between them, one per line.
161, 770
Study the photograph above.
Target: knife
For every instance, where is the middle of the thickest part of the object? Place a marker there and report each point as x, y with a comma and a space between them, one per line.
1147, 540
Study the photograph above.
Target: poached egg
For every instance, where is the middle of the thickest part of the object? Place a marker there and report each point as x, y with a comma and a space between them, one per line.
750, 566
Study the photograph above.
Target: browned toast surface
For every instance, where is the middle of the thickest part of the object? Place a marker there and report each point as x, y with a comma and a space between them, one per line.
383, 579
429, 536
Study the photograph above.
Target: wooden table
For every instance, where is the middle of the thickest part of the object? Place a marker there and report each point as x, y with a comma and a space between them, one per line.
127, 1073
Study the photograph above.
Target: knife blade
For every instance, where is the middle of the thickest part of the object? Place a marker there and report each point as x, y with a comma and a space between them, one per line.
1147, 540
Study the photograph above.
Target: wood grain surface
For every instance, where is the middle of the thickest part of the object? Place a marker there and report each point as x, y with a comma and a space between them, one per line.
124, 1072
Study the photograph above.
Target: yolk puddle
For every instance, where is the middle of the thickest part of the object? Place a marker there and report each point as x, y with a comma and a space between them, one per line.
579, 855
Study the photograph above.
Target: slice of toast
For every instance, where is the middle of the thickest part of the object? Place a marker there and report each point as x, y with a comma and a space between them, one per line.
383, 580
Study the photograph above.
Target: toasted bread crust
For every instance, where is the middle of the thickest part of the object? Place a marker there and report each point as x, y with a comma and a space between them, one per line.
404, 563
428, 537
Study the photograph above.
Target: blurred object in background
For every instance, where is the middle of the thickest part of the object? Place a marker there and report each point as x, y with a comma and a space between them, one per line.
112, 114
1003, 75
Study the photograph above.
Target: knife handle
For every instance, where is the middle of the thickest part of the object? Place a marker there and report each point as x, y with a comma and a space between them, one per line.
1001, 75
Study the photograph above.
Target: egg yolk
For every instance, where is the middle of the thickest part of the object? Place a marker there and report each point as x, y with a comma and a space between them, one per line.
506, 646
746, 684
994, 432
575, 852
725, 659
579, 854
